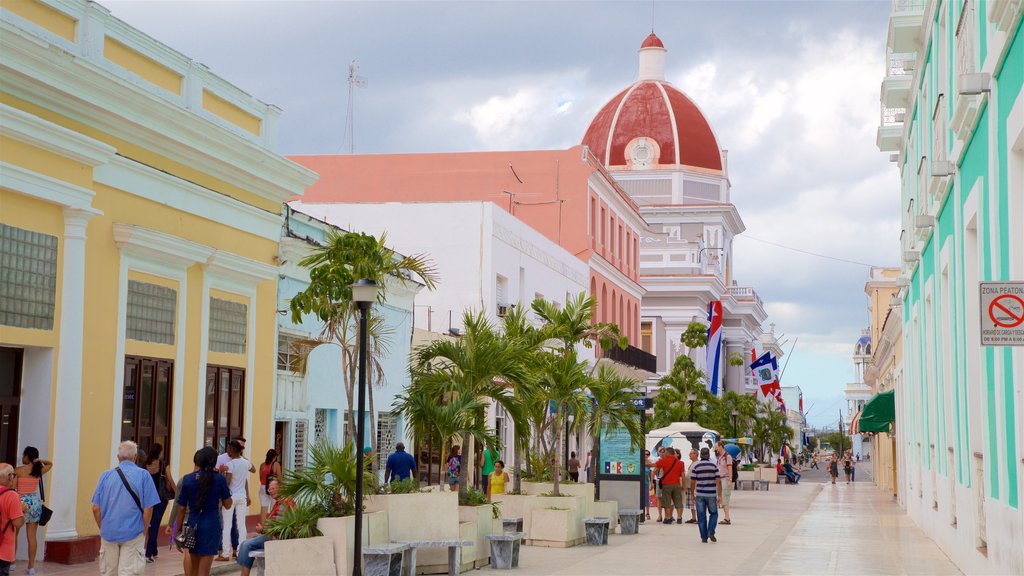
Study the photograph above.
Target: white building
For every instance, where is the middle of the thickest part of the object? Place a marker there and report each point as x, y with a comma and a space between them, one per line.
793, 396
858, 392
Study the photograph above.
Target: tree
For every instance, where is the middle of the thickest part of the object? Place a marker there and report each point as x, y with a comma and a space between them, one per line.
344, 258
770, 429
562, 383
523, 335
835, 440
612, 407
672, 404
478, 364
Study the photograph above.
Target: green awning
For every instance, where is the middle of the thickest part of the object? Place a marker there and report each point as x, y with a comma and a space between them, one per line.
878, 413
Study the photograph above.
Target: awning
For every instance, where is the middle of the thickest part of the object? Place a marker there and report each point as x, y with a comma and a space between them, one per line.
878, 413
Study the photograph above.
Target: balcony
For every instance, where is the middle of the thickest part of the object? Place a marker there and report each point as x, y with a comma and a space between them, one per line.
740, 294
905, 25
1002, 13
890, 129
970, 83
632, 356
898, 80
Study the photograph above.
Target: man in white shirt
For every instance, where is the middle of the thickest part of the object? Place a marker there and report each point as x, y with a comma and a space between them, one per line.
236, 472
222, 462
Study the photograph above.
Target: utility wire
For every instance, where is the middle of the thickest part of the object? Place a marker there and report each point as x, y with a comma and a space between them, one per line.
807, 252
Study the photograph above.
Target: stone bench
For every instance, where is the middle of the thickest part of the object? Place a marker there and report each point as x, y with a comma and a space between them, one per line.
512, 524
754, 484
383, 560
505, 550
629, 520
597, 531
258, 562
454, 554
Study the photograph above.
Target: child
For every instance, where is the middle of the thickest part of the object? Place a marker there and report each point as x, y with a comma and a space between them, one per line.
497, 480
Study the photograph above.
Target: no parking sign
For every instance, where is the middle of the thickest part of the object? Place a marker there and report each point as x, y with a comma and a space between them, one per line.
1002, 313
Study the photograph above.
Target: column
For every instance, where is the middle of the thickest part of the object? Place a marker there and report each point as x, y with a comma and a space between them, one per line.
67, 413
734, 374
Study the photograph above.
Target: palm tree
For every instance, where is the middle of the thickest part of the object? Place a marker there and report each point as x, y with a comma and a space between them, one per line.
770, 428
520, 333
344, 258
572, 324
612, 408
562, 383
672, 404
476, 365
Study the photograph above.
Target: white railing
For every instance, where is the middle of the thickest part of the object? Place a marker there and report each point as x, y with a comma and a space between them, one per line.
742, 294
900, 64
965, 34
900, 6
939, 129
892, 116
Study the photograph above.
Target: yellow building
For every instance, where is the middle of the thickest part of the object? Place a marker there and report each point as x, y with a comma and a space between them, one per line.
886, 367
140, 205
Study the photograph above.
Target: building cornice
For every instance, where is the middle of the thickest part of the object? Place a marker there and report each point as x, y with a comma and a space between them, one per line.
727, 214
605, 268
34, 131
41, 187
155, 245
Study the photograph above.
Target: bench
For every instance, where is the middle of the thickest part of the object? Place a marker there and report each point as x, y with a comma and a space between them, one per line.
384, 559
754, 484
505, 550
597, 531
629, 521
258, 564
454, 554
512, 524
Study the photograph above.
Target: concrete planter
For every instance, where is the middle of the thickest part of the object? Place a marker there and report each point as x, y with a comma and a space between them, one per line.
555, 528
475, 523
406, 514
302, 556
514, 505
339, 532
750, 474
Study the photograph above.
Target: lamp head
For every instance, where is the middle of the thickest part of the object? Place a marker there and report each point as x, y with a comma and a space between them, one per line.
364, 292
691, 397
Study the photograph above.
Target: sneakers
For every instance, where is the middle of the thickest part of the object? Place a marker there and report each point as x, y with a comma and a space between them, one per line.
712, 538
30, 571
668, 520
679, 520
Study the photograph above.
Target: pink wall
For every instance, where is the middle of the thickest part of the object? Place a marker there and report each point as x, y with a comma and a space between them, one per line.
616, 306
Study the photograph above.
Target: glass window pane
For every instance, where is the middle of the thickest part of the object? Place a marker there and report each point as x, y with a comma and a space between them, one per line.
225, 399
28, 278
228, 323
163, 399
146, 394
131, 370
211, 401
151, 312
236, 398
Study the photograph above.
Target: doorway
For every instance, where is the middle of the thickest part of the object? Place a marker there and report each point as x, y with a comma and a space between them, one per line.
11, 361
146, 402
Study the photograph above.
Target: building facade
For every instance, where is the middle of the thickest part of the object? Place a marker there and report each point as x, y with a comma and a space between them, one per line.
858, 392
140, 206
885, 373
659, 147
310, 404
953, 121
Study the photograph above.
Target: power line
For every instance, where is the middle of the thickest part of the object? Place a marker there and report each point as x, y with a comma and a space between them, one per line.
809, 253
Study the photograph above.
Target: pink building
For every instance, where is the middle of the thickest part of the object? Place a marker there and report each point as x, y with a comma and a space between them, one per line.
567, 195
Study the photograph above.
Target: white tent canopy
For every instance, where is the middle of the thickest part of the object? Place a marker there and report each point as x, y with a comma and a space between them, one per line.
675, 433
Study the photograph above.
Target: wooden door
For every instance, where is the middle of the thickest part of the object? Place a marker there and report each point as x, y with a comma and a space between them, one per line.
11, 360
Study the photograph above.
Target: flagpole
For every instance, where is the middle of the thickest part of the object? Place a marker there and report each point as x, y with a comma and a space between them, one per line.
842, 435
788, 357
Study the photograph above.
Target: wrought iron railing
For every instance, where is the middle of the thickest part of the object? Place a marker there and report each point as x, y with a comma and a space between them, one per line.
632, 356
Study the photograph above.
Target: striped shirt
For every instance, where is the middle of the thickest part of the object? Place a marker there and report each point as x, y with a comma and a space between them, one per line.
705, 472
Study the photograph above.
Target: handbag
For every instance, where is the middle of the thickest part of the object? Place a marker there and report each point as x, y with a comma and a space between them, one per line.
163, 486
46, 513
186, 537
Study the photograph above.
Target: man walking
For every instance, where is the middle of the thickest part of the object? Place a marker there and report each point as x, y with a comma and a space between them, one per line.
237, 474
122, 506
690, 501
707, 485
487, 466
400, 465
222, 467
12, 517
671, 485
725, 464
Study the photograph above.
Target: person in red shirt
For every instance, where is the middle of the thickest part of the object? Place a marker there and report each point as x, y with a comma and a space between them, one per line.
671, 484
12, 517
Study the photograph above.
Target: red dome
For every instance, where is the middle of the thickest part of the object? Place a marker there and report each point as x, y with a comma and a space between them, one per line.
652, 41
658, 111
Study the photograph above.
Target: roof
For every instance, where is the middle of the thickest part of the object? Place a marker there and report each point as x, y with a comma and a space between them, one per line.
652, 41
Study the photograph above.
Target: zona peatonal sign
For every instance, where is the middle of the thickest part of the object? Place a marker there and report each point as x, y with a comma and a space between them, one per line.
1002, 313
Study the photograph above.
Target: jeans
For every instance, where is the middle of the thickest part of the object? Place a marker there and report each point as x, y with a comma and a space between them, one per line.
794, 477
248, 546
483, 481
5, 567
706, 524
237, 513
154, 528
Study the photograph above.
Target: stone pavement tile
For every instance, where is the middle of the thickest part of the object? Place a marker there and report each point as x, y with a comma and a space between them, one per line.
168, 563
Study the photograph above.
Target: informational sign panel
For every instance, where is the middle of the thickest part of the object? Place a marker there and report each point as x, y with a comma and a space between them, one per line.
1002, 313
619, 456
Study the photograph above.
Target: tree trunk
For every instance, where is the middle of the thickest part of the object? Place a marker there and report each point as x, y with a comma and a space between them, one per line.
555, 468
467, 461
595, 454
517, 475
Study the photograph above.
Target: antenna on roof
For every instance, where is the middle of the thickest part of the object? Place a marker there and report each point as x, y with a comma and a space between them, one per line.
354, 81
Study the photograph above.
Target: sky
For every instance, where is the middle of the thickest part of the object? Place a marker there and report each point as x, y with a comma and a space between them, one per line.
790, 88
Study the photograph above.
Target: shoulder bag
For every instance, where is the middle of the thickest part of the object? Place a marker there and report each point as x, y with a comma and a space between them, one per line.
186, 536
163, 485
46, 513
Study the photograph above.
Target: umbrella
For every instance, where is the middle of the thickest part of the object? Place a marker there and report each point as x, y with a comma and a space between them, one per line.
733, 450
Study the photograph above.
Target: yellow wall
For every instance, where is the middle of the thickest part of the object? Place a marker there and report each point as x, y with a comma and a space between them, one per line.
44, 162
226, 110
57, 22
141, 65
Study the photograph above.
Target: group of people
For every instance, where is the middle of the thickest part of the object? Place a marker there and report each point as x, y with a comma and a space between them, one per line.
401, 465
207, 521
849, 464
21, 506
702, 486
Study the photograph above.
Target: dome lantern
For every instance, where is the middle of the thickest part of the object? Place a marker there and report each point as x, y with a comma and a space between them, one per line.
652, 59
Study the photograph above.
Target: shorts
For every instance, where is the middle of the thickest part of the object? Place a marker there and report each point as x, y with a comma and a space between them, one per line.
691, 500
671, 496
35, 507
265, 500
726, 493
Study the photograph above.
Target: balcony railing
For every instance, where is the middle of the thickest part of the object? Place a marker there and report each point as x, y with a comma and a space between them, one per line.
965, 33
893, 116
901, 6
740, 294
632, 356
901, 64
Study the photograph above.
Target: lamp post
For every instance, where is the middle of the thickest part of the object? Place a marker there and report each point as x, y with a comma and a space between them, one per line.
364, 294
690, 399
735, 413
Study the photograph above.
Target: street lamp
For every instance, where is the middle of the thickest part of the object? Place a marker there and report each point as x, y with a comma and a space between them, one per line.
735, 413
691, 398
364, 294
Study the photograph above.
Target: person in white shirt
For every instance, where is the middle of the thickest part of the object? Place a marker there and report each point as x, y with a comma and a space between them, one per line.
236, 472
222, 462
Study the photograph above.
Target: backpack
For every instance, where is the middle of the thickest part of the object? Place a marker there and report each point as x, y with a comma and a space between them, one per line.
735, 471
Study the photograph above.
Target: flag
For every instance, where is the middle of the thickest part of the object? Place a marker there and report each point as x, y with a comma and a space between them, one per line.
765, 369
714, 344
753, 355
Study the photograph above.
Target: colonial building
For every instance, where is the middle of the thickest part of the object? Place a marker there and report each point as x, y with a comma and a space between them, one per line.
659, 147
953, 123
884, 372
857, 393
140, 205
310, 403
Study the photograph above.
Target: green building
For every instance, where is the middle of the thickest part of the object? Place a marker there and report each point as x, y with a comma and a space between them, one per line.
953, 120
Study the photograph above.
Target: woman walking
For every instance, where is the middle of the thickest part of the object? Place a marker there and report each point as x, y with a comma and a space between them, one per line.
269, 470
848, 467
201, 492
833, 468
29, 475
497, 480
165, 488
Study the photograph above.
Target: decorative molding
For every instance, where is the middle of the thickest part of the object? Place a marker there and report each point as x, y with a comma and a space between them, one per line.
150, 244
35, 131
613, 274
241, 269
45, 188
529, 249
152, 184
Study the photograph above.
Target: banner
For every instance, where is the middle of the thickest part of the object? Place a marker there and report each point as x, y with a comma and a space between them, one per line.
714, 348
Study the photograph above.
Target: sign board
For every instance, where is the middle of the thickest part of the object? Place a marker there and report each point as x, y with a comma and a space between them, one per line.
1002, 313
619, 456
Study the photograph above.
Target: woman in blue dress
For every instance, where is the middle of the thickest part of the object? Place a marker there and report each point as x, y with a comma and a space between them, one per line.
203, 492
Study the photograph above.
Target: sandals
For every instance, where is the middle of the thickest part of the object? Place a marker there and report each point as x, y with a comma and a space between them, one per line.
222, 559
648, 515
726, 522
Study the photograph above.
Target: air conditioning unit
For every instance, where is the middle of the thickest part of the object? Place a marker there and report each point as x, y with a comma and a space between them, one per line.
943, 168
894, 157
924, 221
503, 309
971, 84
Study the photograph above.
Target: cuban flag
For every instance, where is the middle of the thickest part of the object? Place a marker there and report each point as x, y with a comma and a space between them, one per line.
714, 344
